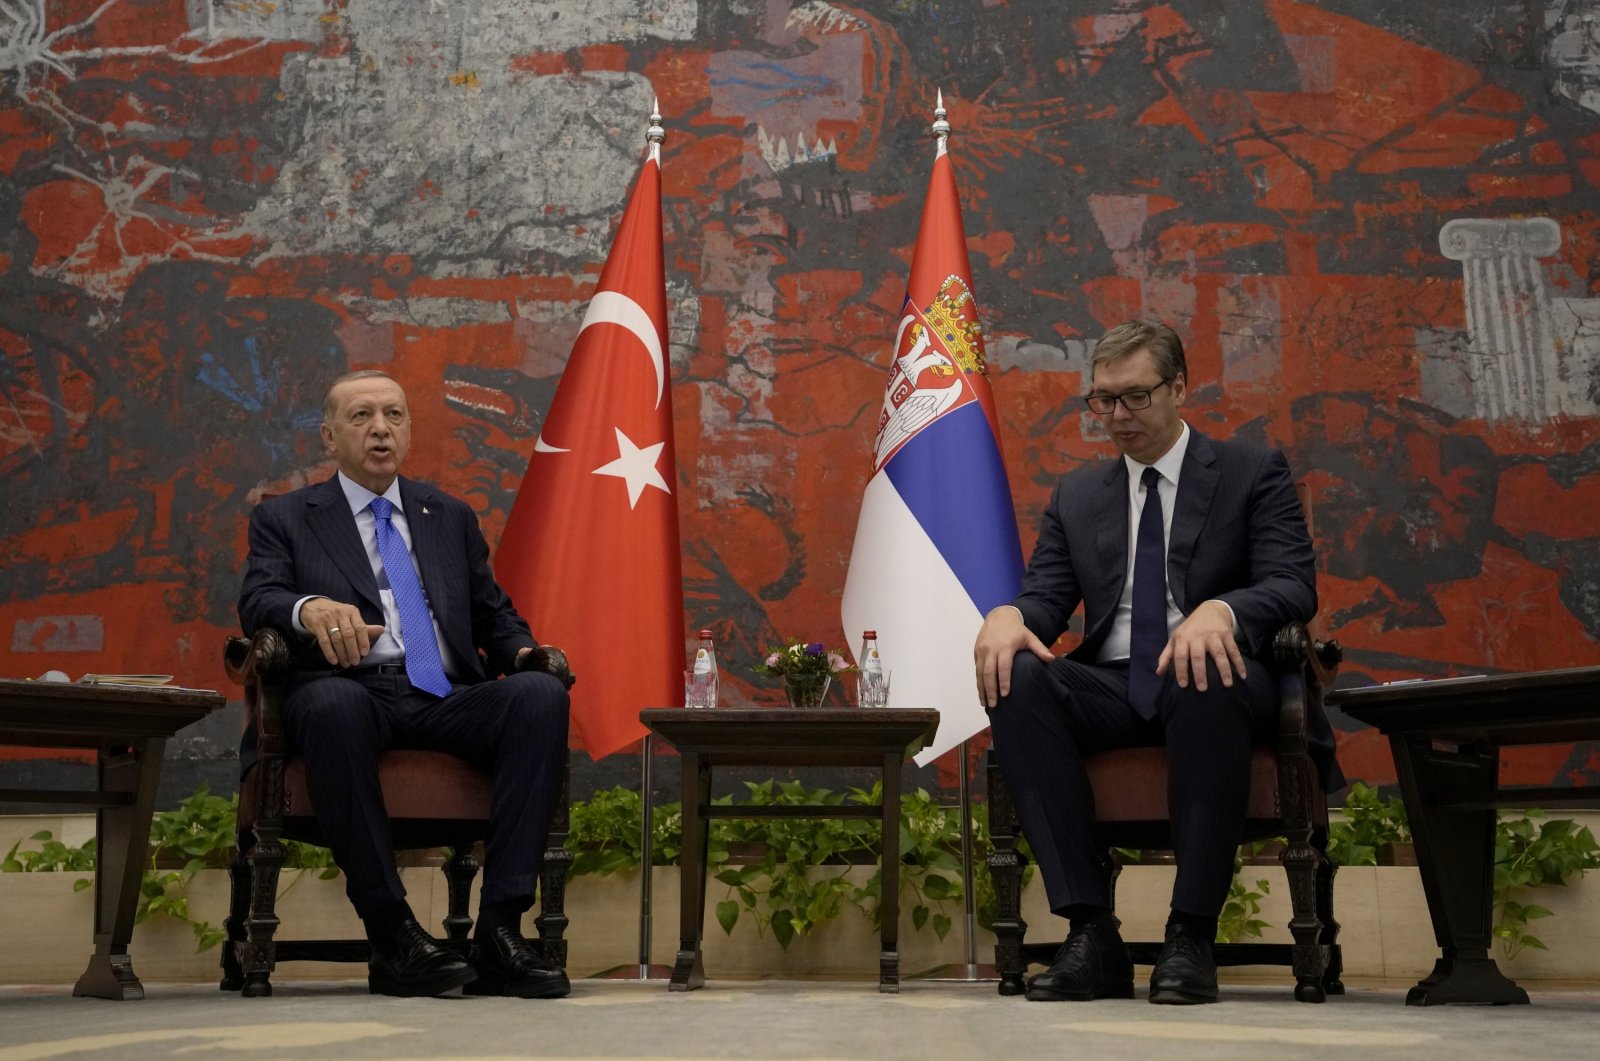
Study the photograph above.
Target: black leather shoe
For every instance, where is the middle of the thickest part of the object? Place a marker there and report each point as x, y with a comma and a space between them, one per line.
507, 964
1092, 963
415, 966
1186, 972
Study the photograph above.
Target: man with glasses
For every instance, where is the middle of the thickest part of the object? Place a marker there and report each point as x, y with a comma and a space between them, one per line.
1188, 554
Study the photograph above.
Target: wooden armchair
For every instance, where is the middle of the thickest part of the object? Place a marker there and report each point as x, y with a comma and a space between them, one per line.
434, 800
1130, 795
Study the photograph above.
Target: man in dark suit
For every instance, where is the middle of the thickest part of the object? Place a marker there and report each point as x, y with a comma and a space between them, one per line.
1187, 554
386, 582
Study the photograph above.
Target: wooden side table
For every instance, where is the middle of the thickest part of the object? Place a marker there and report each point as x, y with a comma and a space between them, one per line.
128, 727
881, 737
1446, 735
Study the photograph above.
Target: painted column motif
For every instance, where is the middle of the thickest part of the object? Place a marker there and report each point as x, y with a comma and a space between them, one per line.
1514, 359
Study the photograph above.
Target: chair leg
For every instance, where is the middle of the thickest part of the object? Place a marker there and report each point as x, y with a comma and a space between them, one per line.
1005, 868
552, 919
1300, 862
553, 869
238, 912
459, 872
1332, 981
259, 951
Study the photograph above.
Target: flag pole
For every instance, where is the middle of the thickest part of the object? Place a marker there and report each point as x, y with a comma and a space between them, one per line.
653, 135
968, 876
646, 855
969, 971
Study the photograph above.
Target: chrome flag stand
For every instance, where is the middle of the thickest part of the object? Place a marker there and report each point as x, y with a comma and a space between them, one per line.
969, 971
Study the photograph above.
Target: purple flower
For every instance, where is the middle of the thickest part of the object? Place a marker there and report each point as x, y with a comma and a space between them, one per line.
814, 649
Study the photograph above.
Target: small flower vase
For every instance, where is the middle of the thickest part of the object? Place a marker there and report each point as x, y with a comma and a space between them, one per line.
806, 690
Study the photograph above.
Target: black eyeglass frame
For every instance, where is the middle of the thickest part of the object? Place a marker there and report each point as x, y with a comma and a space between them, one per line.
1134, 401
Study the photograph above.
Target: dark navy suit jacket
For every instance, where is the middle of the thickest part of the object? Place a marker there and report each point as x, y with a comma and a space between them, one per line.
306, 542
1238, 535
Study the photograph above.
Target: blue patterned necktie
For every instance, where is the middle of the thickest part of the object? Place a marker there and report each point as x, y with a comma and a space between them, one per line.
1149, 634
423, 665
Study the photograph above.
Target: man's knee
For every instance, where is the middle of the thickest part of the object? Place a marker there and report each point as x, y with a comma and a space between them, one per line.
1216, 709
537, 701
1031, 694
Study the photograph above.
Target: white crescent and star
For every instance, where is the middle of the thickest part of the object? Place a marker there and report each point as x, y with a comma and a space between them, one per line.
613, 307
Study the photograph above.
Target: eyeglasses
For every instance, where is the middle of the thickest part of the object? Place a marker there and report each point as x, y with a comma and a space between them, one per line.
1131, 400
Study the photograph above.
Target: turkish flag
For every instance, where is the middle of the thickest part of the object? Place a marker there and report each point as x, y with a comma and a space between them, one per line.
590, 552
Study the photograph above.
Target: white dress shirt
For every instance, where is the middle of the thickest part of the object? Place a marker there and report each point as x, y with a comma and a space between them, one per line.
390, 647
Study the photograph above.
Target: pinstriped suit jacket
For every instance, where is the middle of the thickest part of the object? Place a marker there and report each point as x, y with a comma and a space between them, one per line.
306, 542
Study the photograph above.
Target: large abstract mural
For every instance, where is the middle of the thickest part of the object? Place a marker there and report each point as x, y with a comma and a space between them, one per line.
1377, 223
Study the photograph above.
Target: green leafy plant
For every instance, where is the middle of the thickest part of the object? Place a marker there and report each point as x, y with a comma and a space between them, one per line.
790, 889
1526, 856
778, 871
1238, 920
51, 855
200, 833
1370, 822
603, 834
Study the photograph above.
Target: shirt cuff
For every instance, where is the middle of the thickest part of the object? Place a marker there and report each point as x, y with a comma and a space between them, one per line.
294, 617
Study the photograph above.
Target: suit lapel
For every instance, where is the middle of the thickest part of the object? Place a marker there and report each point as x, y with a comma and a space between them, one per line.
328, 516
422, 518
423, 513
1197, 486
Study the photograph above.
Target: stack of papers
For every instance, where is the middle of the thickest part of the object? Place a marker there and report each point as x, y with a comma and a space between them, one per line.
125, 679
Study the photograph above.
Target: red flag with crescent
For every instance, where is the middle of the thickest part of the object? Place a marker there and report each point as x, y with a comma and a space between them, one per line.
590, 551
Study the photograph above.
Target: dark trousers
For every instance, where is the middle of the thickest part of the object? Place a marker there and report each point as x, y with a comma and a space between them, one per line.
1059, 713
514, 728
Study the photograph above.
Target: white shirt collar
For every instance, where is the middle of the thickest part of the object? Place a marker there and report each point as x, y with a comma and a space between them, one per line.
1169, 464
359, 497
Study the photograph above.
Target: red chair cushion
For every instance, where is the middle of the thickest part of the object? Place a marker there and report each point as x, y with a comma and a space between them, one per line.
1130, 784
416, 784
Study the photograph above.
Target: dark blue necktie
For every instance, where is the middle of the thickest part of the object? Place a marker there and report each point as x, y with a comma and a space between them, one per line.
423, 665
1149, 635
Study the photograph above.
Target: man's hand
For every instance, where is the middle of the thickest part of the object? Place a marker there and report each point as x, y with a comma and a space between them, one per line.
1002, 636
1208, 631
341, 633
547, 658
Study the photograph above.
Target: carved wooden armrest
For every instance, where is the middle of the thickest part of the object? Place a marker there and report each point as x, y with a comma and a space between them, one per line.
262, 664
1305, 666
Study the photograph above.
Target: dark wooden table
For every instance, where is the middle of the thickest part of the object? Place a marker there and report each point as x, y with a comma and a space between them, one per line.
881, 737
128, 727
1446, 737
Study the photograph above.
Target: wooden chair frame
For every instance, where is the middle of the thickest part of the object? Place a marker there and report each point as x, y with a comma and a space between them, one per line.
1305, 669
262, 665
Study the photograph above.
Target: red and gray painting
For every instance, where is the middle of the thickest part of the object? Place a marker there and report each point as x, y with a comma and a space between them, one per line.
1374, 222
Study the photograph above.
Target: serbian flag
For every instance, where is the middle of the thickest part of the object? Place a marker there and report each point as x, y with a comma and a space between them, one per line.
936, 542
590, 551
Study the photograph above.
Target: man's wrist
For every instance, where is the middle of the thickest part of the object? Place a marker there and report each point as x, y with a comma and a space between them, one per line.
1232, 618
294, 617
1020, 617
